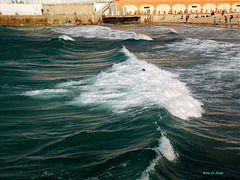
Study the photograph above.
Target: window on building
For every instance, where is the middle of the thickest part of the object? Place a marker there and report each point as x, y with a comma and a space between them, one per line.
194, 6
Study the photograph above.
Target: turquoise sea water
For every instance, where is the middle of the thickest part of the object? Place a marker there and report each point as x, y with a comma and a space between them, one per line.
75, 103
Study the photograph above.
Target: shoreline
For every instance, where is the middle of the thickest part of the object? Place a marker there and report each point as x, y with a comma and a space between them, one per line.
202, 19
228, 26
94, 19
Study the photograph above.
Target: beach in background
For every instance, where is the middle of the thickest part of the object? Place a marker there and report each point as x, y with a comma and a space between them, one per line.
93, 12
75, 102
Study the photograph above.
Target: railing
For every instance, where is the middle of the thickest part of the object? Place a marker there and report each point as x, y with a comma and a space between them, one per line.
106, 7
52, 1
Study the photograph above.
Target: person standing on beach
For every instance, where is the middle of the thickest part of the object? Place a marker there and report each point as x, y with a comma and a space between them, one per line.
230, 19
225, 19
220, 21
214, 20
223, 12
238, 20
187, 17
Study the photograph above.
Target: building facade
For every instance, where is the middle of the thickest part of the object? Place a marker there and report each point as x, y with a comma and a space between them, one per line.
131, 7
50, 7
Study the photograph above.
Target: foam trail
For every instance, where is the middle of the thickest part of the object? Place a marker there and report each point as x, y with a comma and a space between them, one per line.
125, 86
222, 57
100, 32
157, 29
208, 48
164, 149
69, 84
150, 168
46, 93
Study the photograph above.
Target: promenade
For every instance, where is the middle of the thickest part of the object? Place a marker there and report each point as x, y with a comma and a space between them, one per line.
93, 13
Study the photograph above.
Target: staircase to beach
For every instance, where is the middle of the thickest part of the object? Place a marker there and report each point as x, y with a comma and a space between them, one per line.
106, 7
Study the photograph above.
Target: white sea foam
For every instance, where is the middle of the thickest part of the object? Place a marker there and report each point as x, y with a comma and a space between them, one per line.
126, 86
100, 32
46, 93
150, 168
205, 48
66, 38
164, 149
157, 29
203, 45
69, 84
223, 57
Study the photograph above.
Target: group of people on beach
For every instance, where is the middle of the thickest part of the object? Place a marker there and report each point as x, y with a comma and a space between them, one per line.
215, 18
226, 19
148, 19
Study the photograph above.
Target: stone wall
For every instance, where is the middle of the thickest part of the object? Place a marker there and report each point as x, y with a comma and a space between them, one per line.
51, 19
67, 9
56, 14
75, 19
18, 20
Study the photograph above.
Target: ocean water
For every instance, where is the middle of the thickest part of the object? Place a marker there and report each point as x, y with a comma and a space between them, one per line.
76, 104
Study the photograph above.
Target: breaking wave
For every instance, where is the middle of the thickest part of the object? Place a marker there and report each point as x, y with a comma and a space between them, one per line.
126, 86
100, 32
164, 149
66, 38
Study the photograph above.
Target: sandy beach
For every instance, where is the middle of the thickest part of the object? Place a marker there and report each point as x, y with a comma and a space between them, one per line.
179, 19
196, 19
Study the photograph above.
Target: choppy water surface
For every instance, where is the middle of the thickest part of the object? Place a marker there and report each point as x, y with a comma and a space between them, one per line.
75, 103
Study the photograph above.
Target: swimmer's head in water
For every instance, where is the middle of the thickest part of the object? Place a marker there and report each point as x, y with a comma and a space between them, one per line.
143, 69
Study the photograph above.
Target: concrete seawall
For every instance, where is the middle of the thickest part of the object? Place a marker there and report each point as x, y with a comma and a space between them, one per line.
74, 19
50, 19
67, 9
55, 14
23, 19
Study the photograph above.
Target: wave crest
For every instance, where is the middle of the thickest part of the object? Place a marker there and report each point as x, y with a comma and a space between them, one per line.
126, 86
100, 32
66, 38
